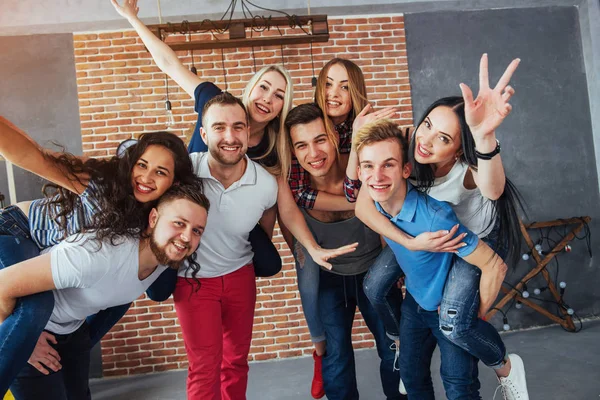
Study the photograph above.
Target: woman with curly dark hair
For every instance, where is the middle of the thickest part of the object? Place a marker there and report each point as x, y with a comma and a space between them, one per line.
110, 196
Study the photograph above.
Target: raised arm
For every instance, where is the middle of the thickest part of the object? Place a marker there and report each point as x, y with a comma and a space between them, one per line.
23, 279
484, 115
18, 148
292, 218
164, 57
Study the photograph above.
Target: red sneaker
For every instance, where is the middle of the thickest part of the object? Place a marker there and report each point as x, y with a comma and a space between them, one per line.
317, 390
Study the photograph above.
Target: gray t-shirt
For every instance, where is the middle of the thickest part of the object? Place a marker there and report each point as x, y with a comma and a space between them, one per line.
90, 278
331, 235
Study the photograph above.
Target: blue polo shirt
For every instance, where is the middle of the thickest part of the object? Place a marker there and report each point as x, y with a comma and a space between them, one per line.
426, 272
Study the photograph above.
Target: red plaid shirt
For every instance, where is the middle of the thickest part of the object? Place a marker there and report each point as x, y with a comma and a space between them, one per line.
299, 179
351, 188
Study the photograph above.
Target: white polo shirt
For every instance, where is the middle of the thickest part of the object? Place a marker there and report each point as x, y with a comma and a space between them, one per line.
234, 212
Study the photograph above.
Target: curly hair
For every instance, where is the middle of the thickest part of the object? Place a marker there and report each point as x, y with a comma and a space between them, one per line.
120, 214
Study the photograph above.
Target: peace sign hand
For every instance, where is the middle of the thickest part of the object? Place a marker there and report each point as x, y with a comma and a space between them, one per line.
488, 110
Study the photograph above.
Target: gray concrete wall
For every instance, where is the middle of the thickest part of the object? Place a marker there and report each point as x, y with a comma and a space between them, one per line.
39, 95
589, 20
547, 141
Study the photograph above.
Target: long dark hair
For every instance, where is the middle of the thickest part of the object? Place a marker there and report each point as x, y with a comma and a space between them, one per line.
119, 214
505, 208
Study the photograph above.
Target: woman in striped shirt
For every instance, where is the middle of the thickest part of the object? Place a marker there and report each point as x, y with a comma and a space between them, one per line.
115, 194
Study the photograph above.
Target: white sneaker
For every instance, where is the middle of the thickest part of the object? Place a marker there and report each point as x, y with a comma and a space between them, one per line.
514, 386
402, 388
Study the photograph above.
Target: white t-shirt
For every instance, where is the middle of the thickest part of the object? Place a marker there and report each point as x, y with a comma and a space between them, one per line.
89, 279
234, 212
472, 209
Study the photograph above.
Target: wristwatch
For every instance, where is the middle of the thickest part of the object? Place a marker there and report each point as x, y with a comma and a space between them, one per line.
490, 155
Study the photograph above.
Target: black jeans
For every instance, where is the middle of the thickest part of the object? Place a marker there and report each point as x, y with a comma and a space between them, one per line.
70, 382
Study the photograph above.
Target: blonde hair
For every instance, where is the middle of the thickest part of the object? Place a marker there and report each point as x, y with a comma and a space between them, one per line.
275, 129
356, 87
379, 131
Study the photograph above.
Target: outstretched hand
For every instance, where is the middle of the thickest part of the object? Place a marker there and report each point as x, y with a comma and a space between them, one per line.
367, 115
321, 256
488, 110
128, 10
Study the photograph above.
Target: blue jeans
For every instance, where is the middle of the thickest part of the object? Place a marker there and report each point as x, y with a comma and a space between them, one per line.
459, 308
458, 318
419, 334
308, 286
338, 298
68, 383
381, 290
20, 331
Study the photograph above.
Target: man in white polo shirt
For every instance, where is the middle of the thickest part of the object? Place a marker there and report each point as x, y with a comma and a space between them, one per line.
215, 304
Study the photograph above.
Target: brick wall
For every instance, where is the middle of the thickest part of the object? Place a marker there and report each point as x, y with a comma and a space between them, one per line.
122, 94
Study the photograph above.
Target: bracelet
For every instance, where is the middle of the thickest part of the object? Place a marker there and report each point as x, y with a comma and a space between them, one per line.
490, 155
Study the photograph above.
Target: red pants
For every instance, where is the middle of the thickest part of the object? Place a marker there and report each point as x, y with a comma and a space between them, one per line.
217, 323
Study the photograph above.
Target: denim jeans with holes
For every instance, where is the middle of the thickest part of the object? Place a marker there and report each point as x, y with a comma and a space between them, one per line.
458, 312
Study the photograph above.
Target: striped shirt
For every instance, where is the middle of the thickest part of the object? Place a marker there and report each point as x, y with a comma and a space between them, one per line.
47, 232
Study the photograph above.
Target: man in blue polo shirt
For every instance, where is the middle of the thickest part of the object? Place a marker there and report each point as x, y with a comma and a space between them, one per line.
382, 153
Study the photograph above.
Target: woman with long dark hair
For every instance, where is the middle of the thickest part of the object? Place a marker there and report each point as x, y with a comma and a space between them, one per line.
455, 157
112, 196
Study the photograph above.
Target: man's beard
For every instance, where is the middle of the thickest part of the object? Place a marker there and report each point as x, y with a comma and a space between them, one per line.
161, 254
217, 155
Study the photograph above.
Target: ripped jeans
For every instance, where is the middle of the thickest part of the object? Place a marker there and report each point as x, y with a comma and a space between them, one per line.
458, 316
458, 310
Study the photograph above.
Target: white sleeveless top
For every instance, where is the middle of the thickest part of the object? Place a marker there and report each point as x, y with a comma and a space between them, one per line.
474, 211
